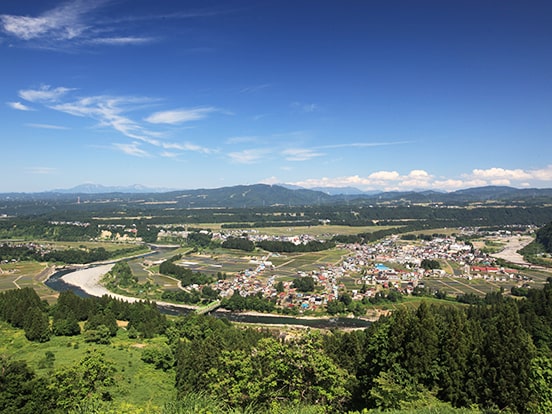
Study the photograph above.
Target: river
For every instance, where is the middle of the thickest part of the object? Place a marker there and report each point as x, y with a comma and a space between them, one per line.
56, 283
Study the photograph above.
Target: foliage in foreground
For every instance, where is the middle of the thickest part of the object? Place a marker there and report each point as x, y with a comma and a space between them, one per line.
495, 356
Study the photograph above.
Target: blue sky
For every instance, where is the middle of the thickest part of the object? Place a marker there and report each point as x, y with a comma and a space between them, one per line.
379, 95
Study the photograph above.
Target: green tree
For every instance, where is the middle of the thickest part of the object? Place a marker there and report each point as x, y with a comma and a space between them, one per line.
20, 390
541, 385
99, 335
92, 378
304, 284
37, 325
160, 356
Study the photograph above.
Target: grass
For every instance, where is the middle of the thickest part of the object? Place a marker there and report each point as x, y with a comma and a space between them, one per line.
137, 382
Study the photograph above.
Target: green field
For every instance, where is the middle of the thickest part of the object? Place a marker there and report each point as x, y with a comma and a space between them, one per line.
321, 231
27, 274
146, 387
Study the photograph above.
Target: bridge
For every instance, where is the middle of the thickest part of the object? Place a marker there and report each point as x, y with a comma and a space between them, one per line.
209, 308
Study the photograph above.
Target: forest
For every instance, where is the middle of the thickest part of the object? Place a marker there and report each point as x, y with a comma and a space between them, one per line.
493, 357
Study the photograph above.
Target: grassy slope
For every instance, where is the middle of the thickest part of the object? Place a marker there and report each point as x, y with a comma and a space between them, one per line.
138, 383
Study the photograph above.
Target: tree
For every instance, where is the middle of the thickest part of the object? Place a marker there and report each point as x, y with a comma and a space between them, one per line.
160, 356
65, 324
293, 372
91, 378
20, 390
104, 318
430, 264
304, 284
99, 335
541, 385
508, 354
37, 325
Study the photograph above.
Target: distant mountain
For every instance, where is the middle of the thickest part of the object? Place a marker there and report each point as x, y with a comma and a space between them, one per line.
90, 188
339, 190
332, 190
263, 195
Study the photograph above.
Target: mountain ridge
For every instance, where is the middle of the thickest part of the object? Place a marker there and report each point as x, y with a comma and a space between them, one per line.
265, 195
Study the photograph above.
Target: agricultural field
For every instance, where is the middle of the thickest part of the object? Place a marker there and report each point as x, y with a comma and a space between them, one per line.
27, 274
322, 231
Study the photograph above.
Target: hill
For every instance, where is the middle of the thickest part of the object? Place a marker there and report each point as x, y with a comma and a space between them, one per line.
263, 195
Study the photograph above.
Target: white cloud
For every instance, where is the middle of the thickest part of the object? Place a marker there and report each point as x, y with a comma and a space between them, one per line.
419, 175
300, 154
420, 179
132, 149
501, 174
111, 112
41, 170
47, 126
61, 23
501, 181
249, 156
241, 140
364, 144
121, 41
305, 107
271, 181
543, 174
167, 154
255, 88
44, 94
75, 23
19, 106
179, 116
188, 147
384, 176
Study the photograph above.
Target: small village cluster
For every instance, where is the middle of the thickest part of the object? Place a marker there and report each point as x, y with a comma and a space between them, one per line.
390, 263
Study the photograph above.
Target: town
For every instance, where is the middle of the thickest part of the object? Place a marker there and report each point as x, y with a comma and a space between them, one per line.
391, 264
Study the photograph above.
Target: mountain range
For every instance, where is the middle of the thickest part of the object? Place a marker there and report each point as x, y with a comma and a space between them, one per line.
263, 195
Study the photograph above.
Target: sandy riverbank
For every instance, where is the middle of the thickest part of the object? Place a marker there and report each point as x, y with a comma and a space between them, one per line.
510, 251
88, 280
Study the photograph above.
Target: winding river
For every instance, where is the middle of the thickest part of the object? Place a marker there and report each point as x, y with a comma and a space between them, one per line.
56, 282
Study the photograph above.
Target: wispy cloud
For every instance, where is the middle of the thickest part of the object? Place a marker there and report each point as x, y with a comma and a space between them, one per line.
41, 170
305, 107
242, 140
132, 149
47, 126
64, 22
19, 106
187, 146
365, 144
255, 88
121, 41
115, 112
300, 154
248, 156
79, 22
43, 94
110, 111
180, 116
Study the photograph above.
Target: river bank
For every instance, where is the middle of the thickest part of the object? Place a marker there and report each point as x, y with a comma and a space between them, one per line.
88, 281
